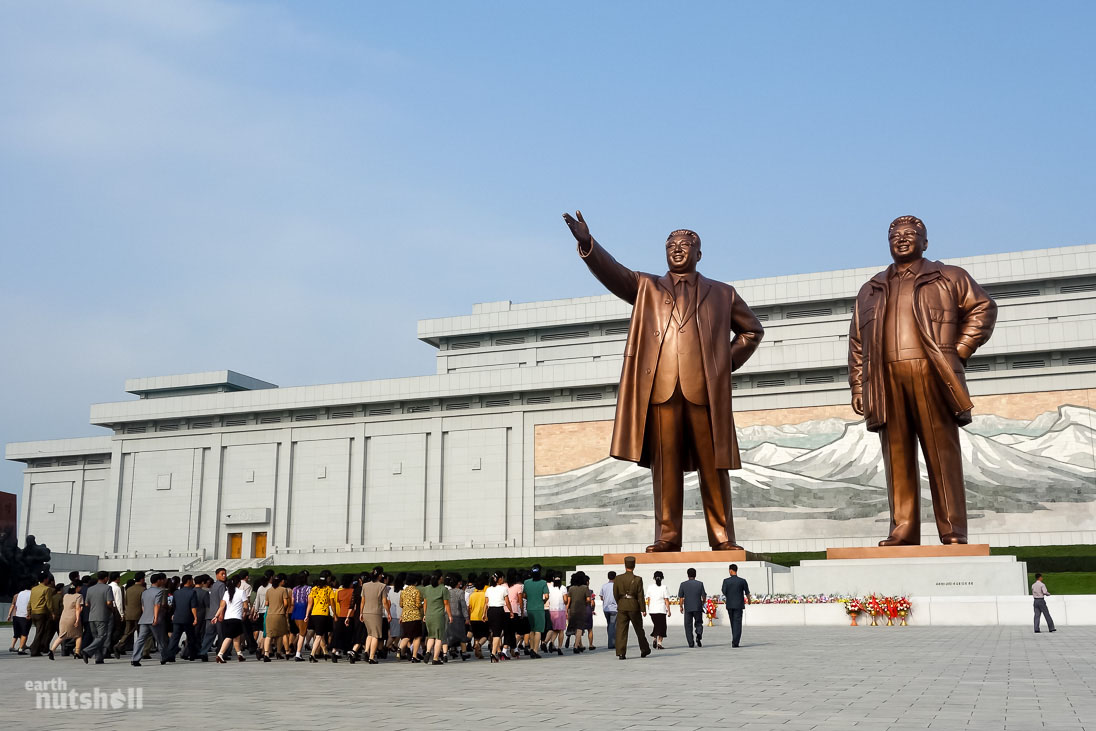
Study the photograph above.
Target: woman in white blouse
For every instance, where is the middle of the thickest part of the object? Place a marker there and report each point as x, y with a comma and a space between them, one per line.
498, 611
557, 614
658, 606
234, 606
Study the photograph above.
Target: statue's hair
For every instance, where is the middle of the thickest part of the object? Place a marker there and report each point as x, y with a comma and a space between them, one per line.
685, 232
914, 221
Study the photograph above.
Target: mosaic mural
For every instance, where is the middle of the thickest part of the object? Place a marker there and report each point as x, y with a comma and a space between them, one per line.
1025, 469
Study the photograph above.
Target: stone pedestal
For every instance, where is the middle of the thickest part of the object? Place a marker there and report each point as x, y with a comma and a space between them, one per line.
689, 557
929, 575
972, 549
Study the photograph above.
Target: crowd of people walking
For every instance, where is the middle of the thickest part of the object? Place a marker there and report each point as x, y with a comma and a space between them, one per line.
369, 617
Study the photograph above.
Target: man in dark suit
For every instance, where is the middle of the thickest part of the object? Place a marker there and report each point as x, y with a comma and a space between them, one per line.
736, 594
132, 612
631, 608
692, 596
184, 620
673, 412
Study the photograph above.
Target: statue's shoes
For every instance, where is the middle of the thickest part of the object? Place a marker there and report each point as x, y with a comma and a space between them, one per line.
727, 546
953, 539
662, 547
892, 541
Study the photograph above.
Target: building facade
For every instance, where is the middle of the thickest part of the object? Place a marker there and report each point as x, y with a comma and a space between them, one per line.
504, 450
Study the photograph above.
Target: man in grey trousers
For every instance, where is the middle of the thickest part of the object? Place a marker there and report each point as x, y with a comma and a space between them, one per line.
609, 608
151, 624
100, 600
1039, 593
692, 596
213, 631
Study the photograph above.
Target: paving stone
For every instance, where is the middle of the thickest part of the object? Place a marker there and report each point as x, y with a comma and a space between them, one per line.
782, 678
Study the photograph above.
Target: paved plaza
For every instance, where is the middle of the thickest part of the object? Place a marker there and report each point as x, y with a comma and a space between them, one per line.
781, 678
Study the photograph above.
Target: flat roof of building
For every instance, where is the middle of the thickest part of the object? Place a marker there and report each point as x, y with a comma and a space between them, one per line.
230, 380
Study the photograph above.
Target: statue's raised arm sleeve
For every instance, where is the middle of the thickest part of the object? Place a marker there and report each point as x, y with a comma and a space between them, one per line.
617, 278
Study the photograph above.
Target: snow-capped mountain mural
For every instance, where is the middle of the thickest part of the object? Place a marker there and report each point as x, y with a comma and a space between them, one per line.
831, 469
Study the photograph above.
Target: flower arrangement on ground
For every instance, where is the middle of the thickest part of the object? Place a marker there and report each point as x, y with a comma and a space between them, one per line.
875, 608
853, 608
798, 598
710, 608
904, 608
890, 609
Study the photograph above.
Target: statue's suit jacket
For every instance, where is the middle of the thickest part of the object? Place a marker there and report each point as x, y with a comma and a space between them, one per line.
949, 307
729, 334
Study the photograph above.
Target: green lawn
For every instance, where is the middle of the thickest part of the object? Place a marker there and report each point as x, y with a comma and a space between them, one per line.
463, 567
1068, 582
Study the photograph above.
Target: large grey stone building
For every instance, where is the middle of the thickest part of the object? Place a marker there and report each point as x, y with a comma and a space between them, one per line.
503, 451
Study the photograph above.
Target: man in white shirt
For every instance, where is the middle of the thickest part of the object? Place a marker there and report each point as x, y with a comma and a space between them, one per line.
609, 607
118, 620
20, 620
1039, 593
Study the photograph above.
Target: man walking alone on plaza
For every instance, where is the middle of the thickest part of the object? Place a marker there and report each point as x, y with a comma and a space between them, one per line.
735, 593
609, 607
692, 596
628, 592
1039, 593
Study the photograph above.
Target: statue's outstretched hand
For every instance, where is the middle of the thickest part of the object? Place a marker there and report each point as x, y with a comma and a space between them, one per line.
579, 229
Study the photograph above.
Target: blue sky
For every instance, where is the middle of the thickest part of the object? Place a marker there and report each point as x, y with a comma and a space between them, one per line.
283, 189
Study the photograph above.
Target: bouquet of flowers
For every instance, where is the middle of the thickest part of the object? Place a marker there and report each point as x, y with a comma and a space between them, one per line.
796, 598
710, 607
853, 608
903, 607
875, 608
890, 608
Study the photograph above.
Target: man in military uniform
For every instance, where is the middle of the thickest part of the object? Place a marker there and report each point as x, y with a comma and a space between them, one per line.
631, 608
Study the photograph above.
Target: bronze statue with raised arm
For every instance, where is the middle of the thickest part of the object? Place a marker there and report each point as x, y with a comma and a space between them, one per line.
914, 327
673, 412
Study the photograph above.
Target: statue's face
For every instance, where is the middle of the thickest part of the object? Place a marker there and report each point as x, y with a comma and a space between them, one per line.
907, 243
682, 254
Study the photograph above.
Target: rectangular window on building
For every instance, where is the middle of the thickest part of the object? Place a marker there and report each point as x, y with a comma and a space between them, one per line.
816, 312
566, 335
